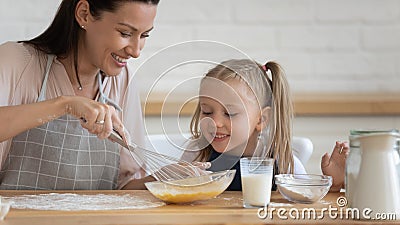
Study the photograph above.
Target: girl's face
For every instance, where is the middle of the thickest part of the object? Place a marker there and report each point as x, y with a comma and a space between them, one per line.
110, 41
229, 115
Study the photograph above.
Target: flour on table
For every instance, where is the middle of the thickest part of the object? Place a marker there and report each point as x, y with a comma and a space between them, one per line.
77, 202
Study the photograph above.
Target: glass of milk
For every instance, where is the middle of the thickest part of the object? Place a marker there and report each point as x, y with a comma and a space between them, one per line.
256, 175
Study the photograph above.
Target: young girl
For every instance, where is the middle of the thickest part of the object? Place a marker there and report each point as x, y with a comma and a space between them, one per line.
245, 110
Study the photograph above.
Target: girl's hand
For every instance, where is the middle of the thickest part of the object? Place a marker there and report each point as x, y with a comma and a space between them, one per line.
335, 164
97, 118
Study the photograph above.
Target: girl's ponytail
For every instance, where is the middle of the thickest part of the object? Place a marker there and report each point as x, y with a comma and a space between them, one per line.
281, 130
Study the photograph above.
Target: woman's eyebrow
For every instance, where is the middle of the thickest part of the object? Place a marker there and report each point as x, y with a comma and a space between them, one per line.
132, 27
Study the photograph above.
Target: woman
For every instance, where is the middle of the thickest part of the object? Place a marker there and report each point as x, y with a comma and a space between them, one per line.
65, 90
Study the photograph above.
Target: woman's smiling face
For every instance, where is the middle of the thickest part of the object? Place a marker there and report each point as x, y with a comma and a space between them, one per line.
229, 114
110, 41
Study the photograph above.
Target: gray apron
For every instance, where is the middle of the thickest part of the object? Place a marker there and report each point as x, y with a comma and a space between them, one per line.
60, 155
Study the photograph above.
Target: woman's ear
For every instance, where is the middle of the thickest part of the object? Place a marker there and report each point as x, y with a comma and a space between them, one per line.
263, 119
82, 13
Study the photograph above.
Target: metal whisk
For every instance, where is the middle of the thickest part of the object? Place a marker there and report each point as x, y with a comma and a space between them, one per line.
164, 168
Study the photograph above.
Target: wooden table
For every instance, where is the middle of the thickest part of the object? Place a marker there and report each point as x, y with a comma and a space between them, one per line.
225, 209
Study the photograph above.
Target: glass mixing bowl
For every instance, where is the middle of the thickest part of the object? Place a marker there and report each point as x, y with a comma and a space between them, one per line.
181, 191
303, 188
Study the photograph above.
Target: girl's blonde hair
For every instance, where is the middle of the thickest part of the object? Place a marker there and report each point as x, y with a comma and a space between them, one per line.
270, 92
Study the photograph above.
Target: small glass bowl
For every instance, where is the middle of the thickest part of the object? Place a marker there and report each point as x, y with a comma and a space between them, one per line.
216, 183
303, 188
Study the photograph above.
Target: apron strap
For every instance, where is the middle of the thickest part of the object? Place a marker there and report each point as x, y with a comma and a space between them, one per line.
103, 98
42, 94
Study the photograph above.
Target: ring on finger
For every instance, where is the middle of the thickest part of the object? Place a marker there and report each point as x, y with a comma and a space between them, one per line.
101, 122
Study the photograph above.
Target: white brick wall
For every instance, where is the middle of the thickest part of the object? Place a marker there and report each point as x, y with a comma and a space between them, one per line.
324, 45
357, 12
273, 12
22, 19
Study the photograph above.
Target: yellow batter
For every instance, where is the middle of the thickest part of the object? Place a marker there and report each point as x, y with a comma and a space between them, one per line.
186, 197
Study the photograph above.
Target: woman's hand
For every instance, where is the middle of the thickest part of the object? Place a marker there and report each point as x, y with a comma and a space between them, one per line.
335, 164
97, 118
